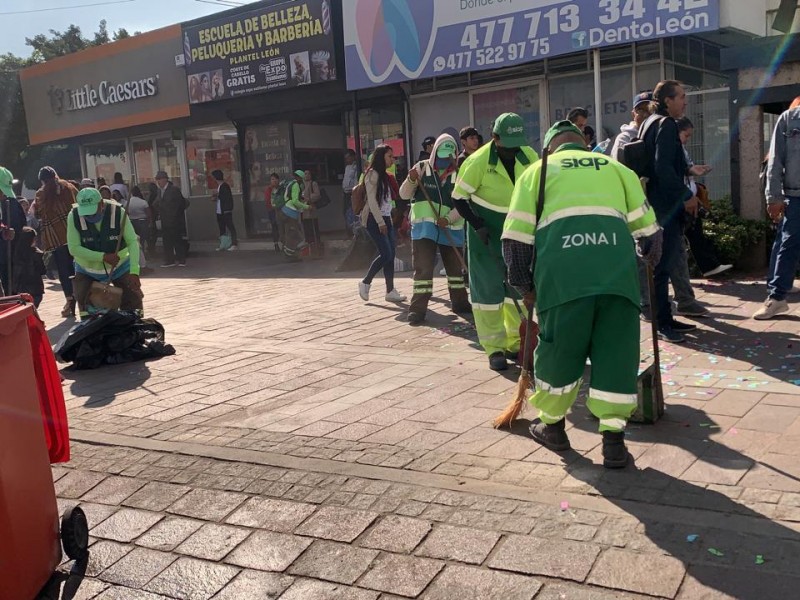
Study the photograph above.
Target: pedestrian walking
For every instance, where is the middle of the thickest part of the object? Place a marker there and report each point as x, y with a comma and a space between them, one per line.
377, 218
223, 196
669, 196
119, 185
140, 215
273, 196
642, 108
171, 206
482, 196
290, 208
94, 229
310, 216
54, 200
427, 148
435, 225
584, 284
349, 181
783, 207
470, 142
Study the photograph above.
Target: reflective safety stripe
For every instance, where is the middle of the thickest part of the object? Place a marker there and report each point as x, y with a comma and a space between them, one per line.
457, 286
613, 423
455, 279
423, 282
551, 417
638, 213
522, 216
546, 387
581, 211
488, 205
613, 398
465, 186
525, 238
487, 307
646, 231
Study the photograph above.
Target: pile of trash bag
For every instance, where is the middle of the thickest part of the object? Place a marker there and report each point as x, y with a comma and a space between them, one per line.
112, 338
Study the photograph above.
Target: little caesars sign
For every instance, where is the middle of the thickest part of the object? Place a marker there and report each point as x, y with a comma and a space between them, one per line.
104, 94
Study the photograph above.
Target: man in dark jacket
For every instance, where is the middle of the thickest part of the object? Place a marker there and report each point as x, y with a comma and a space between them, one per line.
668, 195
171, 205
224, 197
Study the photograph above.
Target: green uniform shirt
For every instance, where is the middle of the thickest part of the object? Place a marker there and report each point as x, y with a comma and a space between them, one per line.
484, 180
594, 207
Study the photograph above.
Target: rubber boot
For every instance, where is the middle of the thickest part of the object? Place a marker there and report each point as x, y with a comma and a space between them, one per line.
553, 437
615, 454
415, 318
498, 362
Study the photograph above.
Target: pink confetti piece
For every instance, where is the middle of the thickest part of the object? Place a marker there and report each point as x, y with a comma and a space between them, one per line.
564, 505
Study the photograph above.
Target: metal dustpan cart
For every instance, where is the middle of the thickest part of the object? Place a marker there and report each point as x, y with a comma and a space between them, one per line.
650, 392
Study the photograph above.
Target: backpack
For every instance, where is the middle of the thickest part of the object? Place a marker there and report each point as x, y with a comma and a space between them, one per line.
358, 198
635, 154
324, 199
284, 194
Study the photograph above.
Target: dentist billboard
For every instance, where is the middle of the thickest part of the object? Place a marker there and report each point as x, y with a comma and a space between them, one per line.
388, 41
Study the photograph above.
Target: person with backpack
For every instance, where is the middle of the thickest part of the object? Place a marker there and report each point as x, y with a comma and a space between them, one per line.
664, 167
274, 195
435, 225
289, 209
783, 207
642, 109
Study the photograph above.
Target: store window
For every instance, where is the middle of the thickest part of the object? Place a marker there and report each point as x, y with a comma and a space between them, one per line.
103, 160
381, 126
616, 88
267, 150
523, 100
570, 92
153, 155
210, 148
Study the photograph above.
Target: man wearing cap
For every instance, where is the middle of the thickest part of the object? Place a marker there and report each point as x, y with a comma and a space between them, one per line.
435, 224
12, 220
292, 235
642, 108
427, 148
93, 229
585, 284
53, 204
470, 142
171, 205
482, 196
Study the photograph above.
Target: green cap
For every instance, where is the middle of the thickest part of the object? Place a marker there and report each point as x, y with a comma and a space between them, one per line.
300, 173
558, 129
6, 179
88, 199
446, 149
511, 129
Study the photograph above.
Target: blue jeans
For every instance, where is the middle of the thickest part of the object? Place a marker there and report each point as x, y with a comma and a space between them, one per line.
680, 278
385, 258
66, 269
673, 238
785, 251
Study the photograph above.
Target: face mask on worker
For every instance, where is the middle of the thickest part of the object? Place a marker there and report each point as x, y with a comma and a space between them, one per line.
444, 156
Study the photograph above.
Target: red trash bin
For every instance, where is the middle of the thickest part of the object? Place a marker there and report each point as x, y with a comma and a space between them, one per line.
29, 529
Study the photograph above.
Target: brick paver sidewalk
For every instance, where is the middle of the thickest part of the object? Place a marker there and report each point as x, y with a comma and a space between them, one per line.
357, 451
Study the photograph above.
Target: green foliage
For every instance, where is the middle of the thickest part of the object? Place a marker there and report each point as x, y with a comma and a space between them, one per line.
732, 235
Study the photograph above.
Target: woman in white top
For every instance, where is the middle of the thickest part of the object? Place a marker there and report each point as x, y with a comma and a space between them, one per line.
377, 218
140, 214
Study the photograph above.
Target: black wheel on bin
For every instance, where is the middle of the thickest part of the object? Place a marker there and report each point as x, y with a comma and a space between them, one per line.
75, 533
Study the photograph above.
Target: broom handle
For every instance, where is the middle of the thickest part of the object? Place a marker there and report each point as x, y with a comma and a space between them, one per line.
539, 210
7, 215
651, 290
445, 229
122, 223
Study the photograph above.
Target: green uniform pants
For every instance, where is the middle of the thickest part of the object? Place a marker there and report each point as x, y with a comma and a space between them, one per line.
496, 317
604, 329
424, 256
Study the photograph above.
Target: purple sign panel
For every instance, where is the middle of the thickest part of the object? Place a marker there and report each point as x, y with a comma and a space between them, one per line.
388, 41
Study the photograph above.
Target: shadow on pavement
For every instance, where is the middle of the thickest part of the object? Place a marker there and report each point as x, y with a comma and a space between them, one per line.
102, 385
71, 582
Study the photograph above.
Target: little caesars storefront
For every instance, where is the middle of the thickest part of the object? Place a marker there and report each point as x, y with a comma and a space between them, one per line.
539, 58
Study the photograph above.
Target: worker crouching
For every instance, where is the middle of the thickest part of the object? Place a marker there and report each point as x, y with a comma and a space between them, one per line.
586, 284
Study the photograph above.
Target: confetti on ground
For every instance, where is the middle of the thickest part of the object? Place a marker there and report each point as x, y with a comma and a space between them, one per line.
733, 431
564, 505
760, 559
715, 552
692, 538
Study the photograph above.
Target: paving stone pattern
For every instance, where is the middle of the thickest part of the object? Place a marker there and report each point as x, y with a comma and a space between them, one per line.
346, 434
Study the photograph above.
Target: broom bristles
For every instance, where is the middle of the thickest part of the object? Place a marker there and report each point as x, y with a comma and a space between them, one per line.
514, 409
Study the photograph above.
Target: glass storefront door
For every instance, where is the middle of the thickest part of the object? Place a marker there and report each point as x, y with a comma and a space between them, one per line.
103, 160
267, 150
152, 155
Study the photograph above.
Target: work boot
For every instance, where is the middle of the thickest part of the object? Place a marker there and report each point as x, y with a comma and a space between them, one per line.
466, 309
69, 308
415, 318
615, 454
497, 361
553, 437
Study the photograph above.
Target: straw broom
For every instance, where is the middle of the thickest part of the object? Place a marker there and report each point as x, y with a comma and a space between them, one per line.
514, 409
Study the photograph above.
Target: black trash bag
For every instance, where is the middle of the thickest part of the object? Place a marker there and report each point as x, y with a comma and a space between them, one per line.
361, 253
112, 338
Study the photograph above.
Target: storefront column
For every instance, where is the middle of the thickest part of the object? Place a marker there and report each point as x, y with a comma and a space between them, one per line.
598, 96
751, 143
